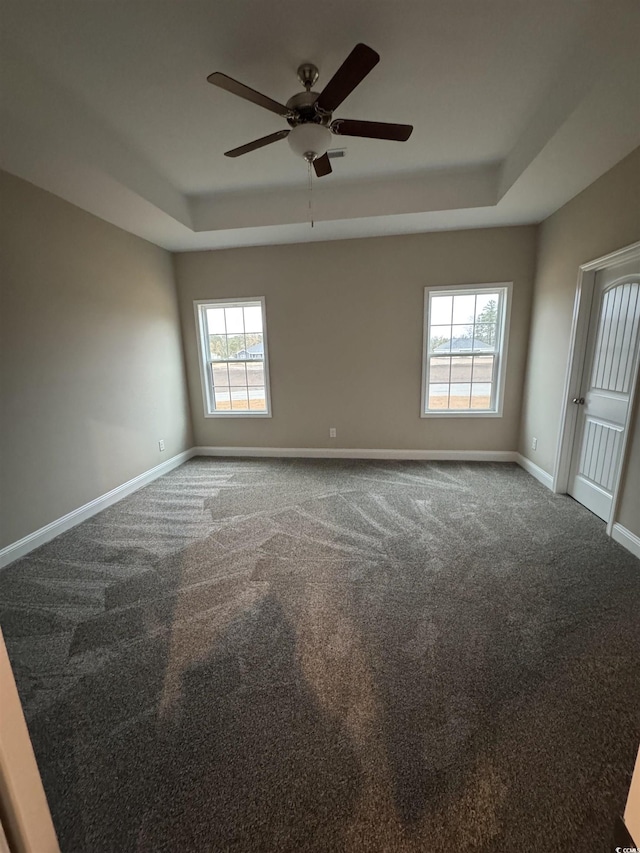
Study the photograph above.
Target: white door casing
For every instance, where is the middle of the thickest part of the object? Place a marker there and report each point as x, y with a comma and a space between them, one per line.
606, 389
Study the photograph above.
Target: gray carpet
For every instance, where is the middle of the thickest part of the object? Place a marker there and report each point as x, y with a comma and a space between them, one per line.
288, 655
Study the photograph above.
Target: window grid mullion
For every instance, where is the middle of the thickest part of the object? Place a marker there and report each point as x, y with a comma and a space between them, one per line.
493, 381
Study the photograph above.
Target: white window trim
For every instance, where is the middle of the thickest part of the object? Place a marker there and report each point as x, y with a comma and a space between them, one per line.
453, 290
203, 361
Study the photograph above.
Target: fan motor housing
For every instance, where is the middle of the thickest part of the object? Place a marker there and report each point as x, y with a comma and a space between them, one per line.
303, 107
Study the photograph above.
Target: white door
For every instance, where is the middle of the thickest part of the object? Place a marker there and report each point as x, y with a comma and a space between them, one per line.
610, 371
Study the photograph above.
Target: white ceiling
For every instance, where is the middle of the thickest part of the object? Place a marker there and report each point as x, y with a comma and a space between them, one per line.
517, 106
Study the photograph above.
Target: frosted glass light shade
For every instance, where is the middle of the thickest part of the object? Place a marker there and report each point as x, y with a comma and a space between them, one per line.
309, 139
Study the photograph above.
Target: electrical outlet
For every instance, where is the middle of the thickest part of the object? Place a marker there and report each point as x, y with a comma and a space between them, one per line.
161, 444
332, 432
534, 443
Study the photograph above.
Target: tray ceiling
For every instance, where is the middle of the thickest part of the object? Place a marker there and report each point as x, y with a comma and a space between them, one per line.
516, 108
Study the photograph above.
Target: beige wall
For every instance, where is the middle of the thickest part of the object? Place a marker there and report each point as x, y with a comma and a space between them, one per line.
604, 217
91, 368
629, 510
345, 336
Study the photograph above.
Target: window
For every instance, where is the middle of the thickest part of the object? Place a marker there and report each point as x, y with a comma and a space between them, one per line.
465, 337
233, 358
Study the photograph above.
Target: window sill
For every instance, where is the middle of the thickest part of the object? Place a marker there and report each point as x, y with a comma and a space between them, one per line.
463, 414
237, 414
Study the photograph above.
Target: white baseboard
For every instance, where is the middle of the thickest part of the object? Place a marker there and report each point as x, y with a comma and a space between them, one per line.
358, 453
535, 471
626, 538
60, 525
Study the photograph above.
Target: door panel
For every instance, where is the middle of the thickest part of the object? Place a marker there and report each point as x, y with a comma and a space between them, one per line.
608, 376
617, 338
600, 449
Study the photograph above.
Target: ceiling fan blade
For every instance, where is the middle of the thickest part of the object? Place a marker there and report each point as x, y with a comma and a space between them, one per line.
352, 72
237, 88
257, 143
322, 166
371, 129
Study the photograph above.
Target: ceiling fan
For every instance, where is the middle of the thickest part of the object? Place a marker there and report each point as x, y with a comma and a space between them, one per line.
309, 113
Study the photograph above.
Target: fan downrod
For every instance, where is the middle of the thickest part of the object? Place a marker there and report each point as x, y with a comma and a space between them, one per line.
308, 75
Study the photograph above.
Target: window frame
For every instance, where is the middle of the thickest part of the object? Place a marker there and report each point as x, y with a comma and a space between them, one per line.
501, 352
200, 306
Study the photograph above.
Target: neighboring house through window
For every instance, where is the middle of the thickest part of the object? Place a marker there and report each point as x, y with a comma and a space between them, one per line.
465, 348
233, 357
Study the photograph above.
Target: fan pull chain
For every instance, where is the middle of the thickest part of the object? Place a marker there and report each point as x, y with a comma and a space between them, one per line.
310, 191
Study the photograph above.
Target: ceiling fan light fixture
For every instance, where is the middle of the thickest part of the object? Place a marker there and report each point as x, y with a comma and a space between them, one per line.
309, 140
309, 114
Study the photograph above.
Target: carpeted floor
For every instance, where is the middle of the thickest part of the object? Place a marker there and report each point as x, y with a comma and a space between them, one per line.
291, 656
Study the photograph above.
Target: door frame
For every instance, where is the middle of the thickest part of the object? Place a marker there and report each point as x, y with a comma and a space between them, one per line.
24, 811
575, 368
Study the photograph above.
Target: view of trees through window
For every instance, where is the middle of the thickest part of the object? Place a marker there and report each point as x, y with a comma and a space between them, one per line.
228, 346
